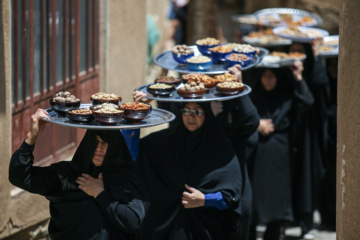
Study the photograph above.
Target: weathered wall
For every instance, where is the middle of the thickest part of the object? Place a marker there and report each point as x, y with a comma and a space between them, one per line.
5, 111
18, 209
126, 47
123, 65
348, 151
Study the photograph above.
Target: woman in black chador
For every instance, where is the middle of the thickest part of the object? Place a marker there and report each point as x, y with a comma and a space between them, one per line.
194, 178
276, 96
311, 138
97, 195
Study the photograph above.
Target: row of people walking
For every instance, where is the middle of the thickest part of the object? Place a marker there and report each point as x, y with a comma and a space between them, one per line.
191, 180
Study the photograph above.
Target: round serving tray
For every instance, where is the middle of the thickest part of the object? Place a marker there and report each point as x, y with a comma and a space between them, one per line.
253, 19
279, 32
212, 95
297, 13
332, 40
249, 19
166, 60
258, 43
283, 62
156, 117
333, 53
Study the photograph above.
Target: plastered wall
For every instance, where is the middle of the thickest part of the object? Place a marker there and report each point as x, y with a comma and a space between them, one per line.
348, 119
126, 47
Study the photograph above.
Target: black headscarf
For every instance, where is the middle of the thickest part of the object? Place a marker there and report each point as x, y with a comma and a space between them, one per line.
268, 103
203, 159
72, 209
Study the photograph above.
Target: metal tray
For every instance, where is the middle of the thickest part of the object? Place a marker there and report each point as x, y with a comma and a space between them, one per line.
253, 19
278, 32
332, 40
257, 42
297, 14
212, 95
283, 62
166, 60
333, 53
156, 117
249, 19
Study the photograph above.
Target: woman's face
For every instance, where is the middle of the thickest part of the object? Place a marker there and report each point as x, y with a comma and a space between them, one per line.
193, 116
268, 80
100, 152
297, 47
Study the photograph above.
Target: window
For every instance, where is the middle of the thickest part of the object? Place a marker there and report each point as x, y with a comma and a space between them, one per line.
55, 47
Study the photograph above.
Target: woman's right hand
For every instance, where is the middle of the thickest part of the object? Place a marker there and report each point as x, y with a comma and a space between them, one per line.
37, 126
138, 96
266, 127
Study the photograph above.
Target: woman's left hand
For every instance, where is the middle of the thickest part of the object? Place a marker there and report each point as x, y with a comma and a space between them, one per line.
236, 71
192, 199
91, 186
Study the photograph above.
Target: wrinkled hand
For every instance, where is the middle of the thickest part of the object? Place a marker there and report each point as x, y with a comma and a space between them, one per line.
91, 186
266, 127
236, 71
138, 96
216, 107
192, 199
297, 70
37, 126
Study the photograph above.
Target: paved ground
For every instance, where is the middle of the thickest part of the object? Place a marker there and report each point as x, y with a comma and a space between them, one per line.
294, 234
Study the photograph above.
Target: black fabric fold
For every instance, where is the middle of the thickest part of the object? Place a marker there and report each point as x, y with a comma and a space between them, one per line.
116, 214
203, 159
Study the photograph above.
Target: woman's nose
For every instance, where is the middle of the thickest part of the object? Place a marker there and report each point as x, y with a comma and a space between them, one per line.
98, 147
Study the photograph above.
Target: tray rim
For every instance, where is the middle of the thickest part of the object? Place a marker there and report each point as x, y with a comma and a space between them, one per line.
285, 62
329, 38
299, 39
318, 19
258, 44
334, 53
158, 56
246, 91
170, 115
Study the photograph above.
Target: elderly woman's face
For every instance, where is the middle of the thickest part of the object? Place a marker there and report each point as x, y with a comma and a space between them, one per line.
193, 116
100, 152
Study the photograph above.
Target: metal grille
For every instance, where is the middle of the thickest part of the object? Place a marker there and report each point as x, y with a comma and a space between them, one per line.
55, 47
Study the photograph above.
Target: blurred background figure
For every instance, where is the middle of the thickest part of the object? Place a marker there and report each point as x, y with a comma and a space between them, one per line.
278, 95
327, 205
311, 130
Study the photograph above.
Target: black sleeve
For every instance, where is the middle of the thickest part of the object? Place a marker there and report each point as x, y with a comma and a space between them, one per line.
126, 214
22, 173
319, 76
303, 96
240, 117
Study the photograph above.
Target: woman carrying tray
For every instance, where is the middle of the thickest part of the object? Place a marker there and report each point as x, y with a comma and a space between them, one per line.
194, 178
239, 119
244, 122
278, 95
97, 195
311, 137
